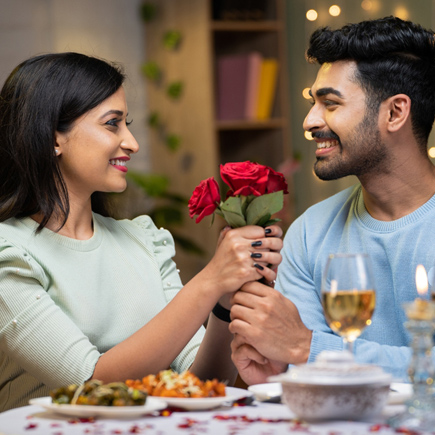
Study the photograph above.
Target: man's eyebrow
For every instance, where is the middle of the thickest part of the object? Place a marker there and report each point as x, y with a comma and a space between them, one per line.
326, 91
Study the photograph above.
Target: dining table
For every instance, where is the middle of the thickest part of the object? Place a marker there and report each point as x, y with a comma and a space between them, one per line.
251, 417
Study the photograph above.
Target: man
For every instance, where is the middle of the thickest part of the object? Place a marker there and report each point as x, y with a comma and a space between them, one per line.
373, 109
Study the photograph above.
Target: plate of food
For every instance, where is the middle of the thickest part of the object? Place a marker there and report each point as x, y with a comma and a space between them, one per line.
270, 391
187, 392
96, 399
85, 411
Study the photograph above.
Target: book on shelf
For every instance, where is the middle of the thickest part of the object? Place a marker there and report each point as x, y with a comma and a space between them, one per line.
267, 88
235, 75
246, 86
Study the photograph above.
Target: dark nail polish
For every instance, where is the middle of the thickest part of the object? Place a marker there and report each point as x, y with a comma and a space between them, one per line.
267, 231
255, 255
255, 244
258, 266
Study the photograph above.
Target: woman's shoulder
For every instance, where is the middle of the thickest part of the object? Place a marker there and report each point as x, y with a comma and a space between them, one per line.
141, 227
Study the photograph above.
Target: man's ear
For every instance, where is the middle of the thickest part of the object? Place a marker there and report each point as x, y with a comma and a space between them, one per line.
395, 112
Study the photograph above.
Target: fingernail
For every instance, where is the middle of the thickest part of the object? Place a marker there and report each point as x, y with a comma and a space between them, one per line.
267, 231
258, 266
255, 255
255, 244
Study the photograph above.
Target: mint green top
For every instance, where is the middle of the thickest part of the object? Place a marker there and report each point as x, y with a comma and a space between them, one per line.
64, 302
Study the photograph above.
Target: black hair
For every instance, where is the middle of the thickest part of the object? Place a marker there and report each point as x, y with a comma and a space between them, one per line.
393, 56
42, 95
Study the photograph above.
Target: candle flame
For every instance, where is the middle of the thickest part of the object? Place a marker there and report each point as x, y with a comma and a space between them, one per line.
421, 280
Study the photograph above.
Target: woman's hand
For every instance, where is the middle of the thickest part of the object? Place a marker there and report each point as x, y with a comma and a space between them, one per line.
242, 255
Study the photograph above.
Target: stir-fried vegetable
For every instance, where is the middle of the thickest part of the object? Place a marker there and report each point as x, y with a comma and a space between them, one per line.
98, 394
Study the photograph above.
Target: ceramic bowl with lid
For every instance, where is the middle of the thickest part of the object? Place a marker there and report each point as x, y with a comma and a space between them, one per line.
334, 387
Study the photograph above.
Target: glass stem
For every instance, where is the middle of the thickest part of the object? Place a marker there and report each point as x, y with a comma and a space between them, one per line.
348, 345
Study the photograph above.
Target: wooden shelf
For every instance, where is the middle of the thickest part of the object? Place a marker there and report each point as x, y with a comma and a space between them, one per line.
206, 141
251, 125
246, 26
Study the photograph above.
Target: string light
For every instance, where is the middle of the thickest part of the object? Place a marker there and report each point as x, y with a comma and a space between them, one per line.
431, 152
306, 93
308, 136
367, 5
334, 10
311, 15
401, 12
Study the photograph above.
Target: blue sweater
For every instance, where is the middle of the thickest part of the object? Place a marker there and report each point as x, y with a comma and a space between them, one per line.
342, 224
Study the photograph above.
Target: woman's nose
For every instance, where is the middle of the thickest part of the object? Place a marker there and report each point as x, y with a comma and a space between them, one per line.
129, 143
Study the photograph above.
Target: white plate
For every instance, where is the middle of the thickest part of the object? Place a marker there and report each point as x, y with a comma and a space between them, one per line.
399, 393
152, 404
268, 391
196, 404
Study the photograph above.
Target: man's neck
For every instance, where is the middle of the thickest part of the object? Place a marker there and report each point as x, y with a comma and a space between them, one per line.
393, 195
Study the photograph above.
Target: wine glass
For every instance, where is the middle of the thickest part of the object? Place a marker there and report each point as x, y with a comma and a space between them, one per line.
348, 295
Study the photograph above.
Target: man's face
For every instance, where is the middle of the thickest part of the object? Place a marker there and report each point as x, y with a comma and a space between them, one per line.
347, 134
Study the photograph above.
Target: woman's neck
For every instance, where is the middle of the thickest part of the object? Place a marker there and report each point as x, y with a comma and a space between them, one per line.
79, 224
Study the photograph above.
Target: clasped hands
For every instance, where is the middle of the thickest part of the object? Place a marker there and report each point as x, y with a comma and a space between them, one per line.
268, 331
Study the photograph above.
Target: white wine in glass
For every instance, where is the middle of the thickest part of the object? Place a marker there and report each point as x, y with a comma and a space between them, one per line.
348, 295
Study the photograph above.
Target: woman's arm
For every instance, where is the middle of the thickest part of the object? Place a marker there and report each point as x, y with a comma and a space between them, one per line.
155, 345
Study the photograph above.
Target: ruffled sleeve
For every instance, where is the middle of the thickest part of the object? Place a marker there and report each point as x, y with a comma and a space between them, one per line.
164, 249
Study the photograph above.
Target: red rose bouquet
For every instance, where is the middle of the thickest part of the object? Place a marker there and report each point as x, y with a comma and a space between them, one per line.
255, 194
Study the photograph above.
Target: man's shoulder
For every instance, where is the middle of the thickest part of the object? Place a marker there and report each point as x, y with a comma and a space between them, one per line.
335, 202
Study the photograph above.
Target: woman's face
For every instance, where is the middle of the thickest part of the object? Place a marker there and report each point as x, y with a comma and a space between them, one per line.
93, 155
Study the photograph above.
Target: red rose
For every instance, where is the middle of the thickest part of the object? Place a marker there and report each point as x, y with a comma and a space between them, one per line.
245, 178
276, 182
205, 199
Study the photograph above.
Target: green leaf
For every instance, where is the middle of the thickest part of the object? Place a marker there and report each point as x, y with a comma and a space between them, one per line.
264, 205
175, 89
232, 211
173, 142
154, 119
151, 71
166, 215
148, 11
271, 222
172, 39
152, 184
263, 220
234, 220
187, 244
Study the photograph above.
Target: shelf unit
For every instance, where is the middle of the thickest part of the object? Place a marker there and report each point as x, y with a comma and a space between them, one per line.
206, 141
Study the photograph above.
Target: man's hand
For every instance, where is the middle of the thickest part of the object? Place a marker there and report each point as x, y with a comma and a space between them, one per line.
270, 323
253, 367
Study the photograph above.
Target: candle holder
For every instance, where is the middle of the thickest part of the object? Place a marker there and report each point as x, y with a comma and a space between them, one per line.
420, 408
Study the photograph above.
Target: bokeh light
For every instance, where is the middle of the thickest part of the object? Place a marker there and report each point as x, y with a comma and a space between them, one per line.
401, 12
306, 93
308, 136
431, 152
334, 10
311, 15
367, 5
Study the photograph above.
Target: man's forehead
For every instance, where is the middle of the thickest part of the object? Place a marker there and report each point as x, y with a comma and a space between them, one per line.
334, 78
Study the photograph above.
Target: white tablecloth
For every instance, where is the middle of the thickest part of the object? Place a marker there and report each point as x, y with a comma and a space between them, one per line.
257, 419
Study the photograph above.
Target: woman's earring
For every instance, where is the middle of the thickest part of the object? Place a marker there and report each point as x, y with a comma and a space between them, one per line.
56, 151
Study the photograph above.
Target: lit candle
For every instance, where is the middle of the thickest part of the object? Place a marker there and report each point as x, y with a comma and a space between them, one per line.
421, 309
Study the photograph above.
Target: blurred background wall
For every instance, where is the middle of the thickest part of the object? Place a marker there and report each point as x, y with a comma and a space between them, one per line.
115, 31
109, 29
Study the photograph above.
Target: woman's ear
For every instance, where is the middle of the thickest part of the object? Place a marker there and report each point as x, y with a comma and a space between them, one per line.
60, 142
396, 112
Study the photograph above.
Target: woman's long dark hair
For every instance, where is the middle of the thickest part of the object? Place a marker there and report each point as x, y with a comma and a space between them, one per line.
43, 95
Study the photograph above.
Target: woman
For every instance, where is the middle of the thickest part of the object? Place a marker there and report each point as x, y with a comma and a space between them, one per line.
83, 295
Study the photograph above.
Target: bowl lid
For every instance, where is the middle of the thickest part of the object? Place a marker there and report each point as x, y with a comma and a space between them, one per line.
333, 368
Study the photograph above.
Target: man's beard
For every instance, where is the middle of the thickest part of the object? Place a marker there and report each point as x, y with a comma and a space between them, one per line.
366, 152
